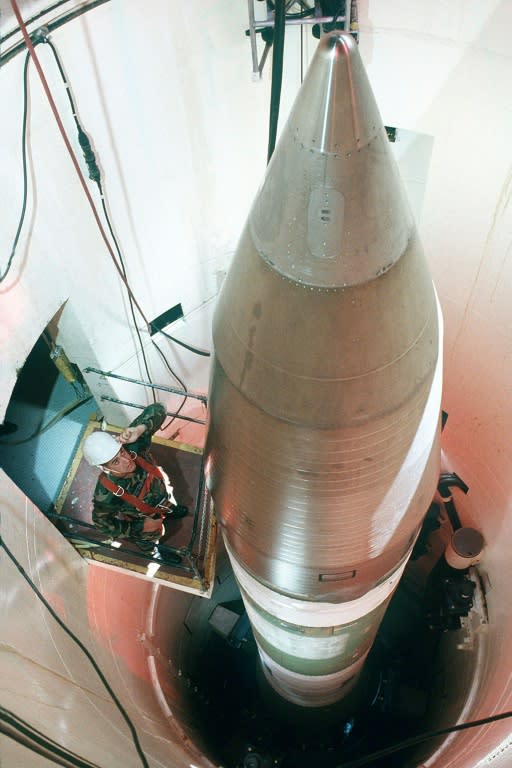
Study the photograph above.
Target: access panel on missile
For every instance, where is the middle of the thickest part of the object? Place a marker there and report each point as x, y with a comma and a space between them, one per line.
323, 442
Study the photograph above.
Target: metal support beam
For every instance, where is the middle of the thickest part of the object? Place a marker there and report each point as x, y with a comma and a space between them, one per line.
316, 18
162, 387
141, 407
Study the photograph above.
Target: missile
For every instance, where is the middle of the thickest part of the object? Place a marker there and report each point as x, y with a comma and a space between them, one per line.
322, 454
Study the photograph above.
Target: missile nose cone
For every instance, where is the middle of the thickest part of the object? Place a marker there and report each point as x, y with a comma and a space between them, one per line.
343, 113
332, 162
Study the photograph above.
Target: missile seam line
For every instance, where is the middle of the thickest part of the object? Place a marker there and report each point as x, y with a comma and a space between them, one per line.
307, 631
342, 479
340, 455
326, 379
342, 460
284, 603
404, 424
343, 454
354, 565
277, 267
295, 559
411, 400
350, 487
340, 452
328, 94
332, 675
355, 120
357, 484
337, 155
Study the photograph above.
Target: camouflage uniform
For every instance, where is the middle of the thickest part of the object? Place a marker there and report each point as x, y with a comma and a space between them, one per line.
116, 517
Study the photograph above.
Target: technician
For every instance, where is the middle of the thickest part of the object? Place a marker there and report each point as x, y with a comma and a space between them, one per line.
133, 497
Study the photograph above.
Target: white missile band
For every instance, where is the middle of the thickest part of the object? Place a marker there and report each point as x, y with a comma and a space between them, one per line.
313, 614
320, 652
399, 496
309, 690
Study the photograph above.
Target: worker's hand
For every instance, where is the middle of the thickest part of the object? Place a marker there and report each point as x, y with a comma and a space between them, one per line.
131, 434
153, 526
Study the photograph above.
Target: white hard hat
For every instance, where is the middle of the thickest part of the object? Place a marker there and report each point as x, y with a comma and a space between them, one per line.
100, 447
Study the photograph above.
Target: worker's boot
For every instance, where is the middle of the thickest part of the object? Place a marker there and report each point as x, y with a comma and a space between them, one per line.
175, 512
165, 556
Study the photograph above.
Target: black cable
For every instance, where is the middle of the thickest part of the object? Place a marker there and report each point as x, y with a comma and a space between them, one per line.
277, 74
301, 14
173, 373
82, 647
56, 23
361, 762
17, 729
304, 14
196, 350
132, 310
95, 176
24, 160
46, 39
341, 8
46, 10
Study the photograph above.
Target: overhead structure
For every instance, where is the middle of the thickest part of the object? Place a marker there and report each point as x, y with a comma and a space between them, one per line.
262, 19
323, 445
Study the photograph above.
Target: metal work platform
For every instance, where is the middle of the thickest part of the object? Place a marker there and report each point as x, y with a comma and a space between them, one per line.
192, 537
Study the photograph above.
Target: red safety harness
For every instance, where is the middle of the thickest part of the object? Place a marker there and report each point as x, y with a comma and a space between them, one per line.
136, 501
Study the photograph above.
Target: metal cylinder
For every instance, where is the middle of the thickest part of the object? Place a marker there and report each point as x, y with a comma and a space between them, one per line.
322, 451
464, 549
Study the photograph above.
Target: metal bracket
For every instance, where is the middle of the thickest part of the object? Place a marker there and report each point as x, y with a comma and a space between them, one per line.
316, 16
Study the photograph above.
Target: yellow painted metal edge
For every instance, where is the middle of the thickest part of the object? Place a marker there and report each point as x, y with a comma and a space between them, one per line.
160, 440
73, 468
211, 549
172, 578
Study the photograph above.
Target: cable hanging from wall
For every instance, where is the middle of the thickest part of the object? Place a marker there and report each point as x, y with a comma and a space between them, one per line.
41, 36
21, 220
95, 176
82, 647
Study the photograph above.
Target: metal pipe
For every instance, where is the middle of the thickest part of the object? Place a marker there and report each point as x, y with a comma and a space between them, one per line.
162, 387
346, 25
254, 48
294, 22
264, 56
141, 407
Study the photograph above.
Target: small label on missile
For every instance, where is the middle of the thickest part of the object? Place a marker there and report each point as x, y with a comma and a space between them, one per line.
326, 211
336, 576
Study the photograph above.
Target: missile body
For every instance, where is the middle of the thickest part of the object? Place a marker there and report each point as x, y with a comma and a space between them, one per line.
323, 441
